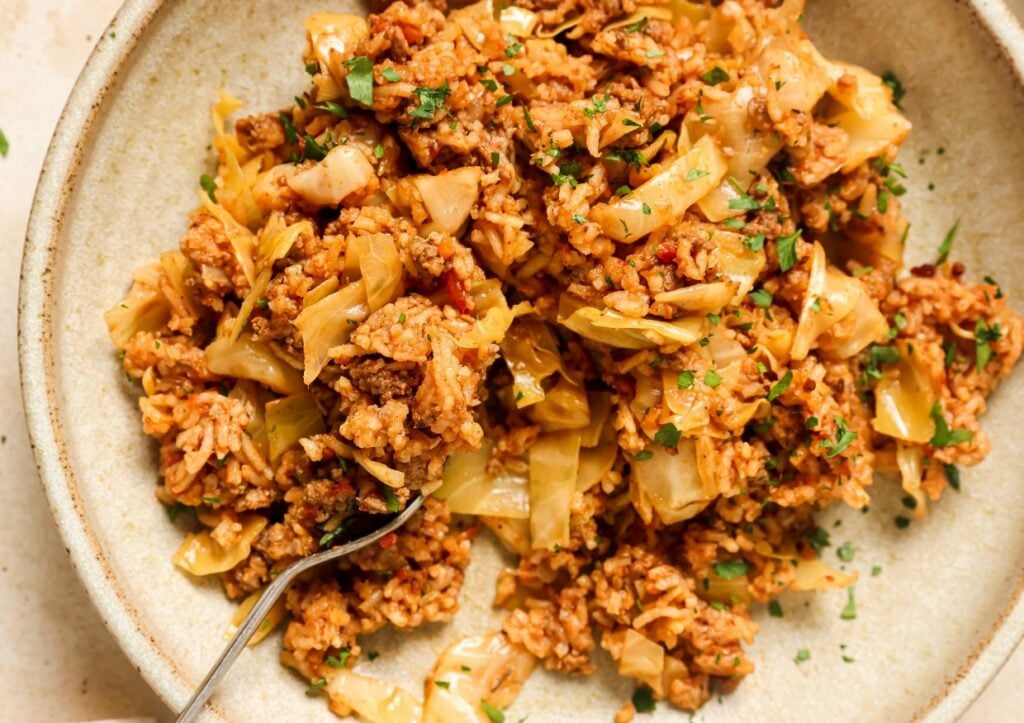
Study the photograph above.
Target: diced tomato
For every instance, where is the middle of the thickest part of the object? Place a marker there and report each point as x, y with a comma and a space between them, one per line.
666, 252
457, 291
389, 540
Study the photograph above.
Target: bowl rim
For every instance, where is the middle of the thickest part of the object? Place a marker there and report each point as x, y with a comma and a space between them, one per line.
35, 352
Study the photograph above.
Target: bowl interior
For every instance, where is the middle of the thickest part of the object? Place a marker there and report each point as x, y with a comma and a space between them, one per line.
945, 581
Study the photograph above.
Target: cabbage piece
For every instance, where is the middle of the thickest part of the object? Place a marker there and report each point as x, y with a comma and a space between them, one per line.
690, 9
560, 28
867, 96
866, 112
248, 359
600, 404
513, 533
863, 326
909, 459
256, 397
474, 20
624, 332
243, 241
651, 12
478, 668
381, 269
642, 659
597, 461
904, 398
796, 77
830, 296
554, 465
274, 616
344, 170
235, 193
665, 197
686, 409
700, 297
143, 309
531, 353
332, 38
518, 21
449, 197
672, 482
737, 263
200, 554
817, 575
564, 406
727, 121
389, 476
470, 490
175, 267
493, 316
373, 700
320, 291
729, 592
290, 419
329, 323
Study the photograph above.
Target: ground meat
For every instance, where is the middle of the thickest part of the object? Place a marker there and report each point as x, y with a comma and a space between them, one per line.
258, 133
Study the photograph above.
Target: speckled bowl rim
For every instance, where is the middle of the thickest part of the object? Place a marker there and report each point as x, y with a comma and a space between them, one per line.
35, 342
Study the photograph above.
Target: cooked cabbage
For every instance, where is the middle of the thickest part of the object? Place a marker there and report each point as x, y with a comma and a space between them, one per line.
531, 353
373, 700
273, 617
243, 241
737, 263
449, 197
642, 659
624, 332
597, 461
518, 21
256, 397
200, 554
389, 476
651, 12
329, 323
479, 668
600, 404
665, 197
473, 20
699, 297
179, 296
817, 575
381, 269
904, 398
863, 326
493, 316
866, 112
290, 419
143, 309
686, 409
344, 170
564, 406
248, 359
672, 482
830, 296
554, 465
470, 490
909, 458
332, 38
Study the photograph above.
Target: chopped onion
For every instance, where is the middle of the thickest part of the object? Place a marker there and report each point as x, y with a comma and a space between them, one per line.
830, 296
290, 419
373, 700
564, 406
344, 170
624, 332
389, 476
329, 323
672, 482
449, 196
904, 398
479, 668
248, 359
274, 616
665, 197
200, 554
554, 466
470, 490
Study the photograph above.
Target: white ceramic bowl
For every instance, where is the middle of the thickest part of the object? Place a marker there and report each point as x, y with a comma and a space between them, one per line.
932, 629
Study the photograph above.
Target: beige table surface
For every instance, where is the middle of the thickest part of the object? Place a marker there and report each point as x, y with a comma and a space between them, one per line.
57, 661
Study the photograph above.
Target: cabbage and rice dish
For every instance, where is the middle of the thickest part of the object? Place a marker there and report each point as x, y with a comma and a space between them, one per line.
620, 284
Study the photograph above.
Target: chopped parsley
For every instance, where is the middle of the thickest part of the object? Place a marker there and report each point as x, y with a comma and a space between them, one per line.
786, 248
488, 83
340, 660
861, 271
311, 68
332, 107
818, 538
430, 100
211, 500
879, 355
390, 501
952, 473
668, 435
652, 54
898, 91
775, 609
4, 145
513, 46
600, 105
811, 422
208, 185
529, 120
290, 135
694, 173
993, 282
780, 386
643, 700
378, 151
646, 210
850, 611
802, 656
844, 437
442, 684
944, 436
401, 318
761, 298
685, 379
730, 569
715, 76
637, 26
503, 100
947, 243
315, 686
493, 714
579, 218
712, 378
360, 79
391, 75
754, 243
846, 552
876, 570
983, 335
643, 455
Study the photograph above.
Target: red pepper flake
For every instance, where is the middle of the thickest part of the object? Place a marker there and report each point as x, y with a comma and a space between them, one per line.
666, 252
389, 540
457, 292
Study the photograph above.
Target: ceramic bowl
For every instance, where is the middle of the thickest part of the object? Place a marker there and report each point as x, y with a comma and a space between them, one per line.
119, 179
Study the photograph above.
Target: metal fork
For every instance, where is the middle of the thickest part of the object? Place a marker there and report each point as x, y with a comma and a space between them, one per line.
267, 600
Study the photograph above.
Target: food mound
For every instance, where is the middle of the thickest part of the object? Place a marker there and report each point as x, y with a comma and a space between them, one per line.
621, 283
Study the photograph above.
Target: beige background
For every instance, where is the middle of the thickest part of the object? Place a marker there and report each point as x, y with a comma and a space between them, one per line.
57, 662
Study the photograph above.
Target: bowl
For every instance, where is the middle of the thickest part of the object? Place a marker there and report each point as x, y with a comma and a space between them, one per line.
119, 179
